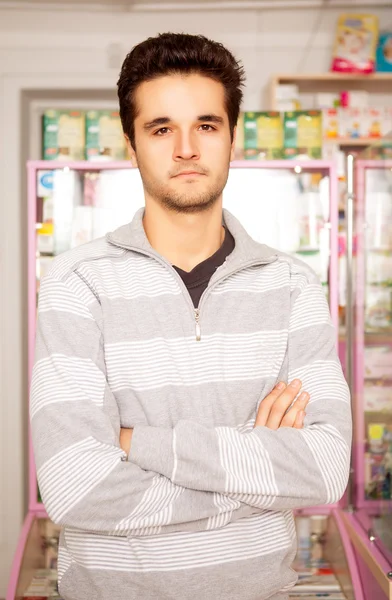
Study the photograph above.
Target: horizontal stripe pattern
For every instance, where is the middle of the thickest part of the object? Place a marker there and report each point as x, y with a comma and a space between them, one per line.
323, 380
248, 467
331, 454
73, 473
132, 277
64, 561
123, 517
69, 261
254, 281
57, 297
244, 539
61, 378
154, 510
161, 362
225, 507
310, 310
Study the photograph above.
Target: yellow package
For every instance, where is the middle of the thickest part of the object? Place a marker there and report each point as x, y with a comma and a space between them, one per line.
355, 44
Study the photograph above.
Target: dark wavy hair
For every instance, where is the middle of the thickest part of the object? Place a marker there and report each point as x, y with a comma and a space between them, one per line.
172, 53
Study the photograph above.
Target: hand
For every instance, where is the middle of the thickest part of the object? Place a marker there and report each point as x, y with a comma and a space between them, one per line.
125, 439
272, 410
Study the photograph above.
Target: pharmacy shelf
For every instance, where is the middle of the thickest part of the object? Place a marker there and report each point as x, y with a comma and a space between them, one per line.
353, 141
333, 77
308, 83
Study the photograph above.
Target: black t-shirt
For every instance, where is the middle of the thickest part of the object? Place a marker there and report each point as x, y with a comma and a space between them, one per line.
197, 280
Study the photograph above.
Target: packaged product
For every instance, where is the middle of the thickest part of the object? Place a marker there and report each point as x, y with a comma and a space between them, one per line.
378, 310
44, 184
287, 97
330, 123
384, 53
377, 122
355, 43
378, 363
351, 123
263, 135
354, 98
326, 100
63, 135
104, 135
303, 134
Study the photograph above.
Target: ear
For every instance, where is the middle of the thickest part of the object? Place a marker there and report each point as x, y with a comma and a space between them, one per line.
131, 151
232, 150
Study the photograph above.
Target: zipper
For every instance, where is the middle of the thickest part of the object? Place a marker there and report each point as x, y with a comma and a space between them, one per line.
198, 330
197, 311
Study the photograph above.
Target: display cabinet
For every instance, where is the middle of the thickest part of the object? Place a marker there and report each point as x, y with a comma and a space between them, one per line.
370, 521
289, 205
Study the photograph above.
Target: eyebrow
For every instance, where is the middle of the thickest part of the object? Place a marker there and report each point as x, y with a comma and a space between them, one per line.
211, 118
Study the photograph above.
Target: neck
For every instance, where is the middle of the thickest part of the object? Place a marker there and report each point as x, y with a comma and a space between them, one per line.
185, 240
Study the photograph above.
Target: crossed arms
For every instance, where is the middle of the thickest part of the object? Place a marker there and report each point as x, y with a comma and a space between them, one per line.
181, 478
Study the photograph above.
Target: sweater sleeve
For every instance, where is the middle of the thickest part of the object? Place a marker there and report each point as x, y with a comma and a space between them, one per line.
84, 477
283, 469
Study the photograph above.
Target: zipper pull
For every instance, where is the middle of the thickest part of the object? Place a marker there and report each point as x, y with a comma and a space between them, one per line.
198, 331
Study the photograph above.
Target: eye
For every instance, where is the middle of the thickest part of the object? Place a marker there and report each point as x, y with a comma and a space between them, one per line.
162, 131
207, 127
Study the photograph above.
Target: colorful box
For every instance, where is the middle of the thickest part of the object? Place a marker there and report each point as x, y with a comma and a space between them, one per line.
104, 136
63, 135
384, 53
263, 135
330, 123
352, 122
355, 43
303, 134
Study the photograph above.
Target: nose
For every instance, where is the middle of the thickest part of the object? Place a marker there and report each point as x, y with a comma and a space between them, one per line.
186, 147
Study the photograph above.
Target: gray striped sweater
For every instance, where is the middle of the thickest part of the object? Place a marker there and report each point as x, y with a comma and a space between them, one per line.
202, 507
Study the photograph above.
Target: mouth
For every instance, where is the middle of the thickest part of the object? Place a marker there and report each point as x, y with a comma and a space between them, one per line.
189, 174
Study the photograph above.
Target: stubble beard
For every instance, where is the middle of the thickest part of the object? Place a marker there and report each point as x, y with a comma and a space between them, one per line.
186, 202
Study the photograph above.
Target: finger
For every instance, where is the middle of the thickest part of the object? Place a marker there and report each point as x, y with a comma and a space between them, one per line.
282, 403
290, 416
299, 420
267, 402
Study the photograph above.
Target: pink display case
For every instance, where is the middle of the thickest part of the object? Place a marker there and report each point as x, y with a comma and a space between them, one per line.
69, 203
370, 522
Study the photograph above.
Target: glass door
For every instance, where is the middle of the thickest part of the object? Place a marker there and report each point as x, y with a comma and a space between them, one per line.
373, 345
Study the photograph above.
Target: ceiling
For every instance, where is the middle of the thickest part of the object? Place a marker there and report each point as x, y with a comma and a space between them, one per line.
156, 5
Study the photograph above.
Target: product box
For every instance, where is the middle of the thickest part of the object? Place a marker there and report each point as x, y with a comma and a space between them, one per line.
287, 97
104, 136
377, 122
303, 134
263, 135
44, 184
384, 53
326, 100
355, 43
351, 123
63, 135
378, 311
330, 123
378, 363
354, 99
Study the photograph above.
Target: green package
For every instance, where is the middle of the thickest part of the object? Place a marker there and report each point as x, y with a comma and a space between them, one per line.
263, 135
303, 134
104, 135
63, 135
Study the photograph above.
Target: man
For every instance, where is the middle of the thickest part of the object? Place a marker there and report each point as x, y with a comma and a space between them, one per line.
167, 441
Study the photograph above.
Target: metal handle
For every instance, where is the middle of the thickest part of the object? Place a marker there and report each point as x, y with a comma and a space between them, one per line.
350, 196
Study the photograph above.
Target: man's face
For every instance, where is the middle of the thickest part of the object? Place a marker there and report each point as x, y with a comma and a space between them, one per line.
183, 145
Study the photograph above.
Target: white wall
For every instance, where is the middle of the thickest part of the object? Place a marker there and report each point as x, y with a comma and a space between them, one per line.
55, 50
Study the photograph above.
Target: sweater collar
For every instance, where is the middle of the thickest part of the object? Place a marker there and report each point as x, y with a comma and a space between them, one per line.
133, 237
